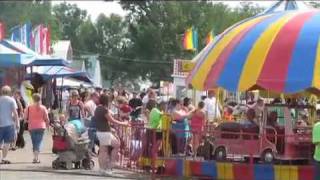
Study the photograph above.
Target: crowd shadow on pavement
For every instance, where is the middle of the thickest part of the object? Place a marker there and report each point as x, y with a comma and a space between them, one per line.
21, 161
72, 172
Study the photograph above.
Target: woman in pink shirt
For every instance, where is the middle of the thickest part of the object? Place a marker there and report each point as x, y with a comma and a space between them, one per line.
197, 125
37, 117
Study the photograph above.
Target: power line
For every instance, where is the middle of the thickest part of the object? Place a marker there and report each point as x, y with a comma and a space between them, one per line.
124, 59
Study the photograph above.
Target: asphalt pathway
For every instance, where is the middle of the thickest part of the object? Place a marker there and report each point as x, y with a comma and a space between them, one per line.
23, 169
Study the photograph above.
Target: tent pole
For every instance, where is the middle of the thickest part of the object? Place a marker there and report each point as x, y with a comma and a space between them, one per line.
61, 96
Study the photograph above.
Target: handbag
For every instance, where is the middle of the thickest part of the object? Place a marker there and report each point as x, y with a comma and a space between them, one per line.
59, 143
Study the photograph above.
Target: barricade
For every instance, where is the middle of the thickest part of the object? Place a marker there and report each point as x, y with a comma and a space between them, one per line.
177, 152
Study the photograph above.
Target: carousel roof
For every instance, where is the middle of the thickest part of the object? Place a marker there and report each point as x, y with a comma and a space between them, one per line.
275, 51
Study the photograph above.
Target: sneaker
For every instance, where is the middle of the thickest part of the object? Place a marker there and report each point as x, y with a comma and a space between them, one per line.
109, 172
105, 172
3, 161
101, 171
36, 161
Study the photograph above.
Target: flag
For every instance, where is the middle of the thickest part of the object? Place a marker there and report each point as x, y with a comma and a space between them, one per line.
22, 34
15, 34
2, 31
26, 31
190, 39
41, 39
46, 42
37, 39
210, 37
49, 41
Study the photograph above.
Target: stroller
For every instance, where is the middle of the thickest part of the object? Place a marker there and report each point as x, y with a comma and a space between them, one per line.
71, 147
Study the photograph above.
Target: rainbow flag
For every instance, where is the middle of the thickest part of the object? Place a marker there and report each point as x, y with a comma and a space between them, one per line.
210, 37
190, 39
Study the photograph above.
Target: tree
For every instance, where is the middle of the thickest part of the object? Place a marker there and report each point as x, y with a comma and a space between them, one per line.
141, 45
315, 4
156, 29
111, 45
17, 13
88, 37
70, 19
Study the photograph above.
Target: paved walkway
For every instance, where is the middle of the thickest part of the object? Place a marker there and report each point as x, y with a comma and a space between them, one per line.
22, 168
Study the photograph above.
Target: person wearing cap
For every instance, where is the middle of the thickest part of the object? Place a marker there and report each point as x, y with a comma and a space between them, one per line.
8, 121
75, 108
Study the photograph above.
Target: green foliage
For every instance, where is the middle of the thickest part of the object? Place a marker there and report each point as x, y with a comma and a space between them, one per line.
315, 4
141, 45
70, 19
156, 29
111, 45
15, 13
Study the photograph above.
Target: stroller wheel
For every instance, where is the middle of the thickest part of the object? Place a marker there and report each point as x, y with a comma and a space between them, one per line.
87, 164
91, 164
54, 165
77, 165
69, 165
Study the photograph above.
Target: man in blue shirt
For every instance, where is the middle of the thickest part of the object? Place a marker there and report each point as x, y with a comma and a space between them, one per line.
8, 121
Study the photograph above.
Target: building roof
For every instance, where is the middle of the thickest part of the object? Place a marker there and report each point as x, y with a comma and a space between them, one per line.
61, 48
78, 65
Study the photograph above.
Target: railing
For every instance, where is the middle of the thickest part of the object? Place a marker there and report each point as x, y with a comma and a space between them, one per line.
146, 150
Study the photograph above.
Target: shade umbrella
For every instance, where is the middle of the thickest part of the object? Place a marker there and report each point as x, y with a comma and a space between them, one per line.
277, 51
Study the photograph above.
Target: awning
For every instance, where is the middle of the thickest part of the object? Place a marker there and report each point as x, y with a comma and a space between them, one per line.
12, 58
70, 82
38, 60
49, 72
48, 62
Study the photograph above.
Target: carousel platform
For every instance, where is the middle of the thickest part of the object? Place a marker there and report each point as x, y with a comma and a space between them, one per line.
239, 171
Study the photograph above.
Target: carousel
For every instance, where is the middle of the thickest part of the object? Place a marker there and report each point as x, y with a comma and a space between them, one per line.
276, 52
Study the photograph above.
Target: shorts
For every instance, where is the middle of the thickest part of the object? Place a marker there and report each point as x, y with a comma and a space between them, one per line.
36, 138
7, 134
107, 139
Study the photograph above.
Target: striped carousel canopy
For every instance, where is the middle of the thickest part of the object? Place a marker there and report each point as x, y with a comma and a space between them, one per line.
278, 52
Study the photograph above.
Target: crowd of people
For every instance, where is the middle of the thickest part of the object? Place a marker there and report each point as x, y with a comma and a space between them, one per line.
103, 111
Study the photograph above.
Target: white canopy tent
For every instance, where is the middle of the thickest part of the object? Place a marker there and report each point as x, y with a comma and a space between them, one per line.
71, 82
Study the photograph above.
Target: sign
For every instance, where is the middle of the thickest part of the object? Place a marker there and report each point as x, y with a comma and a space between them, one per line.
187, 66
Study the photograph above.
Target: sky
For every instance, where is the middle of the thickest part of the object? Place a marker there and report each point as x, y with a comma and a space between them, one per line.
94, 8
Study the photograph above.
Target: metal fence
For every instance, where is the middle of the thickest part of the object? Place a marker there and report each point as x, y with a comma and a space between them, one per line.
146, 150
